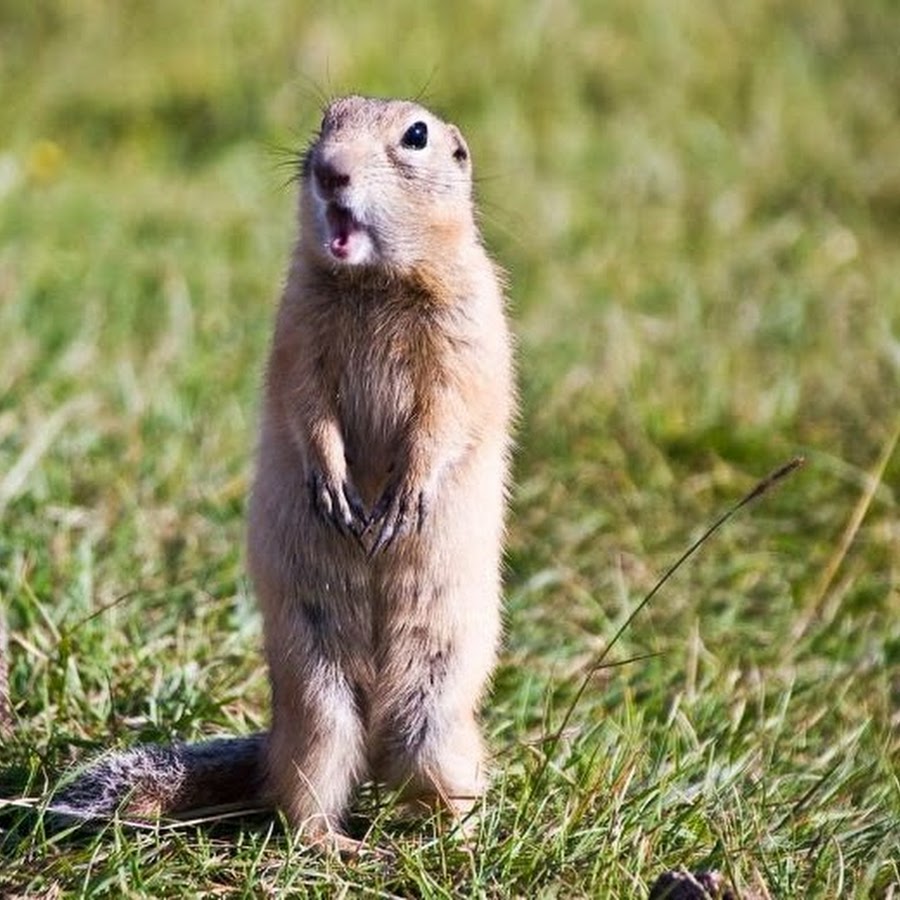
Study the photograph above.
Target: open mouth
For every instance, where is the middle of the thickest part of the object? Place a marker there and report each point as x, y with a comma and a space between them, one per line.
346, 235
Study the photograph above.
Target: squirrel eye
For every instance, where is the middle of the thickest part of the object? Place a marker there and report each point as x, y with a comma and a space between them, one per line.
416, 136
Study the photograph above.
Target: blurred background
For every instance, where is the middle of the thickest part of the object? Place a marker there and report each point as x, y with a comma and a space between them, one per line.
698, 204
699, 208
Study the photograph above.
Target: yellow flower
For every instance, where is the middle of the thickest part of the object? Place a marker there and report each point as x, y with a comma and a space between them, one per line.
45, 158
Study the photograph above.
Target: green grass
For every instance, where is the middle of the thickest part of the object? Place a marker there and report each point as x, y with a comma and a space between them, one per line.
699, 206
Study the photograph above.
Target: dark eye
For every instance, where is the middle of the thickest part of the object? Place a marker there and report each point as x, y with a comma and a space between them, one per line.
416, 136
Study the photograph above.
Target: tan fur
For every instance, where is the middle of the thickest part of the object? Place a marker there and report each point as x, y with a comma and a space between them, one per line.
388, 398
376, 518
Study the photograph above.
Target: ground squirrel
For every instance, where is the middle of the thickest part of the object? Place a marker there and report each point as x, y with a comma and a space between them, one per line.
376, 517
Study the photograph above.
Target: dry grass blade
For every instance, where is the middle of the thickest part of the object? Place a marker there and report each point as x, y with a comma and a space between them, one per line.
873, 480
13, 482
5, 705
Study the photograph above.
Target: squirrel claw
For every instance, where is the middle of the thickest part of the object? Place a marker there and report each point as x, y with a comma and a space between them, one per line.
338, 504
393, 513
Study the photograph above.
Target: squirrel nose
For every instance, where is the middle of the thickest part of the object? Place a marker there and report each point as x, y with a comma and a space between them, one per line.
329, 177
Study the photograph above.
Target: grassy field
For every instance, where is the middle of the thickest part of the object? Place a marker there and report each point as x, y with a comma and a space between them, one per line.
699, 206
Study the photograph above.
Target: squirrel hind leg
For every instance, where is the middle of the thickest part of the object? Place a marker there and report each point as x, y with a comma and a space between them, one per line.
316, 757
444, 770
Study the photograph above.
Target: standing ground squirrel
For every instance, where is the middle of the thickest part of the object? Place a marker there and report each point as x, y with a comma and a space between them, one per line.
376, 518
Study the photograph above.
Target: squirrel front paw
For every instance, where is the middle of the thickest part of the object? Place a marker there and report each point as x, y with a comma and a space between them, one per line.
401, 508
337, 502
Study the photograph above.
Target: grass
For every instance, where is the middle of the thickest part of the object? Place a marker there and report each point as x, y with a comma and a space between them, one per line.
699, 206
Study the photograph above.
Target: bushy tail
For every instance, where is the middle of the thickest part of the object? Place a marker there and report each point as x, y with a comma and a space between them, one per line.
153, 780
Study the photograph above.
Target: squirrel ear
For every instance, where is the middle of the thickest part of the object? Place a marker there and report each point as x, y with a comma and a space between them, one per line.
460, 148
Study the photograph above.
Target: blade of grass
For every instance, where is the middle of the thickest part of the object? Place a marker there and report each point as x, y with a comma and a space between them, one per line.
874, 478
6, 720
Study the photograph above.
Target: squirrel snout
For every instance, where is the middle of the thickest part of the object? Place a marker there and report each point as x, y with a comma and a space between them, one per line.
329, 177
